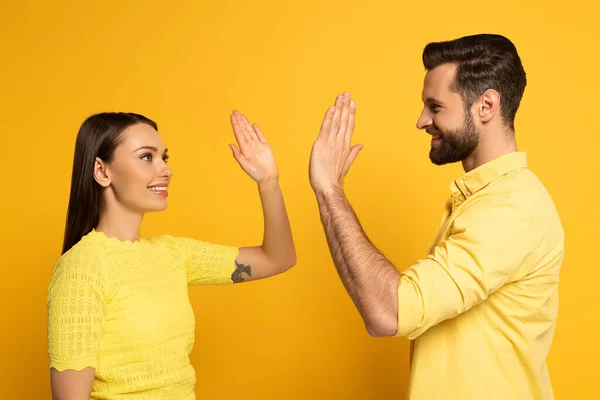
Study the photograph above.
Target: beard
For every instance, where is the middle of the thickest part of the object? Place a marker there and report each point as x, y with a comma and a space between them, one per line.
454, 145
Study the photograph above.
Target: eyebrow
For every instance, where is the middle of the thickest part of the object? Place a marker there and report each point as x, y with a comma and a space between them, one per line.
433, 100
152, 148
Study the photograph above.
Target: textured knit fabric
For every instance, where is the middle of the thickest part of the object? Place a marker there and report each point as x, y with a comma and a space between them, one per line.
482, 306
122, 308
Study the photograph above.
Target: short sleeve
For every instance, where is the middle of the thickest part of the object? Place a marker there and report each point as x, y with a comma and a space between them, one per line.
207, 263
76, 311
489, 243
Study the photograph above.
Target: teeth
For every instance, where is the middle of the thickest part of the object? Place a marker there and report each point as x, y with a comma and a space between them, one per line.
158, 188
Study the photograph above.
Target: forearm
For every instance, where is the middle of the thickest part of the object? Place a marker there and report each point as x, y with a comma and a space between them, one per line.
370, 279
278, 244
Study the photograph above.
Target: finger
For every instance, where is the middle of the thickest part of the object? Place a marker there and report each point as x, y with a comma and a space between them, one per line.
351, 157
341, 135
350, 128
249, 130
238, 130
238, 155
259, 133
326, 124
335, 123
240, 135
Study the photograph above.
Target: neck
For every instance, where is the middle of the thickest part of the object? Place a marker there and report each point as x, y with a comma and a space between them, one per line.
491, 146
119, 222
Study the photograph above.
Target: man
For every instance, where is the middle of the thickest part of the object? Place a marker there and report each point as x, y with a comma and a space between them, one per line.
481, 308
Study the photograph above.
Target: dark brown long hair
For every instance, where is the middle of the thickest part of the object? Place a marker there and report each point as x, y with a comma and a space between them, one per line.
98, 136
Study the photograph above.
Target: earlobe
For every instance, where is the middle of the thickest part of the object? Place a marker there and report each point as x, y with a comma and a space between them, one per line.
101, 173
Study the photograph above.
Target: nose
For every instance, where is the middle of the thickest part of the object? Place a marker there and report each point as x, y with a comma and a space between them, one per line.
424, 120
166, 172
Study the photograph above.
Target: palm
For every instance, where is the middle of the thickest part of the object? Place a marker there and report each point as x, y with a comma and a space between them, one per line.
332, 155
254, 153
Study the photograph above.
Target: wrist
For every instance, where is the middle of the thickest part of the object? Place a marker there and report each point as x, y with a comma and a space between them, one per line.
268, 184
329, 191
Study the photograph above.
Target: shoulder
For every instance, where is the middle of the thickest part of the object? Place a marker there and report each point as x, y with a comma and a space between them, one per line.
175, 242
183, 247
516, 204
174, 247
496, 204
83, 256
165, 241
519, 191
526, 189
80, 268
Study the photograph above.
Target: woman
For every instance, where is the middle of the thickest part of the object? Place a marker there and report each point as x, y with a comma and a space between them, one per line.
120, 324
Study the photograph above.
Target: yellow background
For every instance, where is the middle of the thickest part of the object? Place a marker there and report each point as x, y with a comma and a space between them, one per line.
187, 65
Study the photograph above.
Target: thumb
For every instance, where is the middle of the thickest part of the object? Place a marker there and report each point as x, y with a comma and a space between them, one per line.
354, 150
239, 157
237, 154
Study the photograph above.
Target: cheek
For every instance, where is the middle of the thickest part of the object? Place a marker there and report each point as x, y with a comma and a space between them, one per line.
132, 176
447, 122
440, 123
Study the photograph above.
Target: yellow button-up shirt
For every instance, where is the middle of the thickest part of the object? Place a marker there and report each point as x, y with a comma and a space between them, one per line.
481, 308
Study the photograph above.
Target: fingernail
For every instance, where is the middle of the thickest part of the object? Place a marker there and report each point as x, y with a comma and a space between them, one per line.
352, 104
331, 109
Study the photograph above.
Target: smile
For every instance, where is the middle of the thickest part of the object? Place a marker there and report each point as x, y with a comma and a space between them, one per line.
159, 190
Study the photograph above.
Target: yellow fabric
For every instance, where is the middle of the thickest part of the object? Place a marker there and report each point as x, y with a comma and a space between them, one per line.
482, 306
123, 309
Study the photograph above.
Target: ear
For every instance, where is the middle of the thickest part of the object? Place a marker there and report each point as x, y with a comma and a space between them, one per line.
101, 173
489, 105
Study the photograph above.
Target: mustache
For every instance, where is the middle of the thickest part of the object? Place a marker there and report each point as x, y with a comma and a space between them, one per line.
434, 131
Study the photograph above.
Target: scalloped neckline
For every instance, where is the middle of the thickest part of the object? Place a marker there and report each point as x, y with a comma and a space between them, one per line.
115, 240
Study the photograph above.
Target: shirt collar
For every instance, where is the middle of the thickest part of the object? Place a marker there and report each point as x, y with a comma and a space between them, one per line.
478, 178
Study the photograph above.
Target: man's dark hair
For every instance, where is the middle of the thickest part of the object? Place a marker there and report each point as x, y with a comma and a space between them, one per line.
484, 62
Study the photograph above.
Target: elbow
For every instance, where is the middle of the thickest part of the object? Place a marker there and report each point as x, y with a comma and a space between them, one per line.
291, 262
380, 331
287, 264
383, 325
380, 313
279, 262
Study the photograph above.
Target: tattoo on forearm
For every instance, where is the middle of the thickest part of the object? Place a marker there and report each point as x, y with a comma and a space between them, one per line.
237, 277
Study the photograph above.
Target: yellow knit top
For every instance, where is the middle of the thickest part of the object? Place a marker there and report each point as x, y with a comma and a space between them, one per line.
122, 308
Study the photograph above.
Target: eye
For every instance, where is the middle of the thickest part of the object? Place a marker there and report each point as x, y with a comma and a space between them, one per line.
434, 108
146, 157
166, 158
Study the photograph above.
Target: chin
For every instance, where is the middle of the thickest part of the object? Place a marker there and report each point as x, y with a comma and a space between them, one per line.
155, 207
163, 208
443, 159
435, 159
